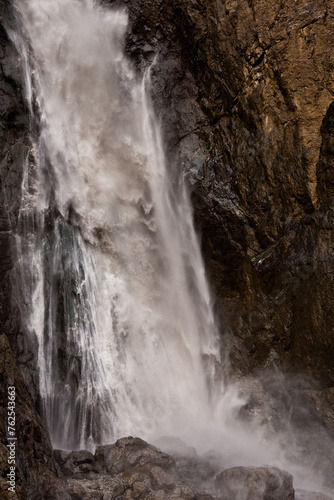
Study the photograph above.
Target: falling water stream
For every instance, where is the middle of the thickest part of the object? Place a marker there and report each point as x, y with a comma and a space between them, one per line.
124, 320
110, 270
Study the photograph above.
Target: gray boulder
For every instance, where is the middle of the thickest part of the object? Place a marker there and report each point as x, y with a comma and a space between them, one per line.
255, 483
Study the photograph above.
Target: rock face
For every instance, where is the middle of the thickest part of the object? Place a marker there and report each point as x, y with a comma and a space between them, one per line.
246, 91
37, 473
15, 150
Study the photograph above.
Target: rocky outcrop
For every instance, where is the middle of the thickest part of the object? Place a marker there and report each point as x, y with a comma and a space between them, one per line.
131, 468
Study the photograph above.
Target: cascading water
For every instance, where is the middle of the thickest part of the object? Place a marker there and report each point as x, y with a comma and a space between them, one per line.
122, 310
109, 272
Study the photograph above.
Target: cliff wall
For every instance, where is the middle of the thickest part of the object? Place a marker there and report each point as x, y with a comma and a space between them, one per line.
245, 92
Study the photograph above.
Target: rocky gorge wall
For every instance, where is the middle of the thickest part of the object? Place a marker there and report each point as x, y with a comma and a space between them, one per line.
245, 90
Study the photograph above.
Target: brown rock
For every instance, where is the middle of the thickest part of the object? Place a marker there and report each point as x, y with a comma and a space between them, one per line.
245, 89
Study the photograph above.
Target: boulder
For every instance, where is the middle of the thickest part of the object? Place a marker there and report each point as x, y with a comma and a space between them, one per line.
130, 452
254, 483
132, 468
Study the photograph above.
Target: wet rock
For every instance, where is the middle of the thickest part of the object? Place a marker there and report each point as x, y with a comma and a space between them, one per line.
195, 471
78, 464
245, 89
295, 409
37, 473
81, 457
298, 279
132, 468
130, 452
255, 483
15, 145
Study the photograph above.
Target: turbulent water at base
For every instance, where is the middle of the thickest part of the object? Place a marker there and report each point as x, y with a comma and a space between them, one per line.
110, 276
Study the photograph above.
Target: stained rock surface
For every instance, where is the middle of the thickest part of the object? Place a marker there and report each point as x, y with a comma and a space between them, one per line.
246, 90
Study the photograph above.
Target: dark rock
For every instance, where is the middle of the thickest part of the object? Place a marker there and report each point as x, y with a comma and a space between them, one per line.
68, 469
15, 146
252, 483
60, 456
130, 452
77, 491
325, 167
38, 474
298, 279
81, 457
132, 468
78, 464
245, 89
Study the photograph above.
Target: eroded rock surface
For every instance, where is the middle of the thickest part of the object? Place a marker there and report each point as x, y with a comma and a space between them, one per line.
246, 90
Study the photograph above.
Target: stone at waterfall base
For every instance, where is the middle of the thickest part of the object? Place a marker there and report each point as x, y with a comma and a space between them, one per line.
133, 469
255, 483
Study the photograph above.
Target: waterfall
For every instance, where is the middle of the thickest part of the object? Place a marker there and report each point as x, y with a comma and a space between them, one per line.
109, 276
111, 273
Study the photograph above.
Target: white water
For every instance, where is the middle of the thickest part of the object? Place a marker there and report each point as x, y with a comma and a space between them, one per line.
112, 276
123, 259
